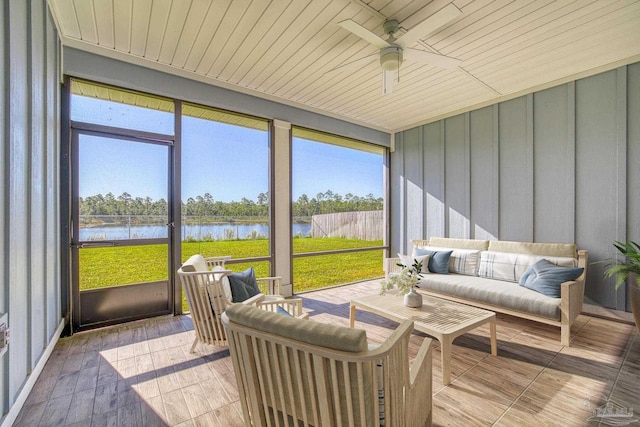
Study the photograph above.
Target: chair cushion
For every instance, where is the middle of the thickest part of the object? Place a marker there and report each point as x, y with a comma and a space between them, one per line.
243, 285
546, 277
308, 331
195, 263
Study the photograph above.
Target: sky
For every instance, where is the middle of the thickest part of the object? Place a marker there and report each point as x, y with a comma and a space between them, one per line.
229, 162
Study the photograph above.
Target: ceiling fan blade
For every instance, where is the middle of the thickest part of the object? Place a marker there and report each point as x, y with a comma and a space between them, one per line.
430, 58
387, 81
357, 63
363, 33
429, 25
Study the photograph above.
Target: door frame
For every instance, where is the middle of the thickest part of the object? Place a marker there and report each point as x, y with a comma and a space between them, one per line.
124, 293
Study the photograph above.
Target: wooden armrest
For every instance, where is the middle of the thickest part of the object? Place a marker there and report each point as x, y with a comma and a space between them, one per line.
291, 305
420, 382
273, 284
254, 300
391, 266
572, 297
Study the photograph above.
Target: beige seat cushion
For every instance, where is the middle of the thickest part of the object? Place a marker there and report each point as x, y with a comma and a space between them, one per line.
315, 333
544, 249
449, 242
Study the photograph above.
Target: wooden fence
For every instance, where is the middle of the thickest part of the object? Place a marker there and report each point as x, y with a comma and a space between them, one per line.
364, 225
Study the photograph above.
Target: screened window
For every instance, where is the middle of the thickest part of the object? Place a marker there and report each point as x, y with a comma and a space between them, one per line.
121, 108
337, 209
225, 185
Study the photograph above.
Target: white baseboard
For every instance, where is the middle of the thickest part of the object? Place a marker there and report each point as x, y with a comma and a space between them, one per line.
11, 416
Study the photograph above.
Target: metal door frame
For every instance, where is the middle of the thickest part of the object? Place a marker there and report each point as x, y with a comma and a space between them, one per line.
127, 291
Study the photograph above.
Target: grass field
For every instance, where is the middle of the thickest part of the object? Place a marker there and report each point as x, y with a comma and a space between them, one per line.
113, 266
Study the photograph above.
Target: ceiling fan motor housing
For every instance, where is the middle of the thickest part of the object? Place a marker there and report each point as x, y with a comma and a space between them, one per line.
390, 58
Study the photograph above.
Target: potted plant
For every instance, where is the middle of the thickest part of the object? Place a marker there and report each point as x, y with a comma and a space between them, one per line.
628, 268
405, 281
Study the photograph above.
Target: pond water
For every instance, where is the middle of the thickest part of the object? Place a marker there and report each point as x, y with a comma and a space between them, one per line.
219, 231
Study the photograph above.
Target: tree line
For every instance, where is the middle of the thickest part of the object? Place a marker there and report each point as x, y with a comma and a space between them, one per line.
206, 206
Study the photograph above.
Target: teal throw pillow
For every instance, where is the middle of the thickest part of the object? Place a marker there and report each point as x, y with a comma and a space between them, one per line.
282, 311
546, 277
243, 285
438, 260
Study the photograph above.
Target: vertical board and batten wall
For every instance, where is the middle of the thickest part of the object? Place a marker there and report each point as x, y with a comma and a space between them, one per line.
29, 222
558, 165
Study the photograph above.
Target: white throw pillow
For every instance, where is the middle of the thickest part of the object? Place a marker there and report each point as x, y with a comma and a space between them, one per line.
226, 285
510, 267
407, 261
461, 261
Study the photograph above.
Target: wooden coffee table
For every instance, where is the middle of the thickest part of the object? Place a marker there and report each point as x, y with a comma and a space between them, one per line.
442, 319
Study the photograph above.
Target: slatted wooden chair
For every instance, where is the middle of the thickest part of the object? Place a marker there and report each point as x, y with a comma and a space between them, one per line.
304, 373
203, 283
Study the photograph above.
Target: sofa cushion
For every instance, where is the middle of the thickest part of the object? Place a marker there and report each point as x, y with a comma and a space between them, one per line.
461, 261
195, 263
547, 278
321, 334
408, 261
511, 266
543, 249
448, 242
438, 260
493, 292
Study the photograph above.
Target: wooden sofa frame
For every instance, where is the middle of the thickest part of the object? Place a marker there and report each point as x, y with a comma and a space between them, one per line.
571, 295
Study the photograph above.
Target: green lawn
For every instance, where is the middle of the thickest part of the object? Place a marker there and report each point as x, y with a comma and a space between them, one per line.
112, 266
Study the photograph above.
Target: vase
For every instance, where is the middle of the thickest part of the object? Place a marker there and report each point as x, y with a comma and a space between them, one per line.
413, 299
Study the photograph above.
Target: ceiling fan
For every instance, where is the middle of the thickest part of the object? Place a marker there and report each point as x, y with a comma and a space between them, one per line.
394, 50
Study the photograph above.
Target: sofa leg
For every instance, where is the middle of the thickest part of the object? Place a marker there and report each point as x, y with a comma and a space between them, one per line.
565, 335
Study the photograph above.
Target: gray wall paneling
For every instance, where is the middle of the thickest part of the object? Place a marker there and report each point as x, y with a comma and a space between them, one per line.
484, 161
18, 209
433, 158
396, 197
559, 165
597, 178
554, 167
414, 184
516, 164
456, 149
29, 195
633, 159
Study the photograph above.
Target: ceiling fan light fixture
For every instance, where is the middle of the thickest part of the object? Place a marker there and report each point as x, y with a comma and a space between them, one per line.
391, 58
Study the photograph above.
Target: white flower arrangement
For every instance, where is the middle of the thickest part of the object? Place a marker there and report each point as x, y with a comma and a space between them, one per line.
405, 280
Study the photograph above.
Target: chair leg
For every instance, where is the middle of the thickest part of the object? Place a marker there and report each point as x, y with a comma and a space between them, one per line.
193, 346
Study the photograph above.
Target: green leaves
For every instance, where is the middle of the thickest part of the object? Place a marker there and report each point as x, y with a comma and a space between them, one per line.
623, 269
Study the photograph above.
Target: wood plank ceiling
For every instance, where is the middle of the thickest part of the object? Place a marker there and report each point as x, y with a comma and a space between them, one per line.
283, 49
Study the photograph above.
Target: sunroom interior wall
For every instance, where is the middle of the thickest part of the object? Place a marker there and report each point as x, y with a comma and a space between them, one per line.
558, 165
29, 228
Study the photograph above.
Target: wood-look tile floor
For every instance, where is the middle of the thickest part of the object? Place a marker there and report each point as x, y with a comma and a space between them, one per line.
142, 374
